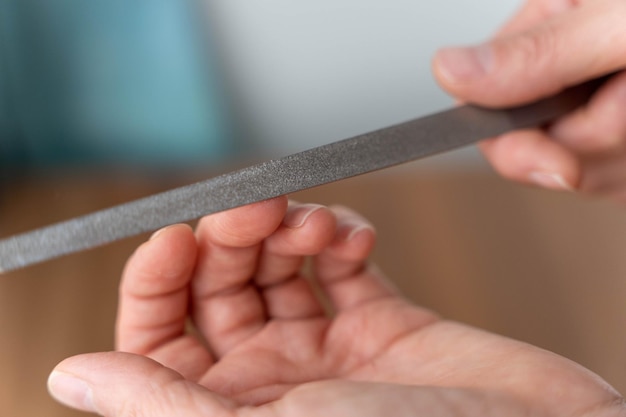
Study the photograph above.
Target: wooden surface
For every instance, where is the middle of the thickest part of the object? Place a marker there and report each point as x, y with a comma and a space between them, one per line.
543, 267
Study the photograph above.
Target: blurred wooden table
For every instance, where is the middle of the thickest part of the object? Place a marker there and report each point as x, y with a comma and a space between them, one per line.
543, 267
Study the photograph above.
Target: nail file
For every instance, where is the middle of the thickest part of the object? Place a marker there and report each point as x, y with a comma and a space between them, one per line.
372, 151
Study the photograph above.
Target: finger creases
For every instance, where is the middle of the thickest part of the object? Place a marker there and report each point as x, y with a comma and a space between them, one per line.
161, 265
154, 290
306, 230
229, 245
237, 289
533, 12
116, 384
566, 49
343, 270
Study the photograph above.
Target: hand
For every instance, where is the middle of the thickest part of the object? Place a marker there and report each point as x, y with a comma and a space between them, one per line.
263, 345
547, 46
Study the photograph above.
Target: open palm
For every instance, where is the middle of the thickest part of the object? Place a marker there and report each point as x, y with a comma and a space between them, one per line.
261, 341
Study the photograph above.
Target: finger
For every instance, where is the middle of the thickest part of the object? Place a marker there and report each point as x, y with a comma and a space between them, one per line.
342, 269
606, 176
600, 126
154, 290
227, 307
153, 303
534, 12
532, 157
120, 384
229, 244
580, 44
306, 230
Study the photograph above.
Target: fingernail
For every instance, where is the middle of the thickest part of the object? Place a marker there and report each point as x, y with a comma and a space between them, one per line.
464, 64
358, 230
550, 180
297, 216
158, 232
71, 391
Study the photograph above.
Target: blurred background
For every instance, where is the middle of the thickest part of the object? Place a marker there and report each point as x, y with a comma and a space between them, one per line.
106, 101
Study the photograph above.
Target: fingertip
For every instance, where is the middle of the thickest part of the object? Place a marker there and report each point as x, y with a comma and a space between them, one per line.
356, 242
297, 214
305, 230
244, 226
73, 381
455, 67
115, 384
161, 264
533, 56
531, 157
168, 246
472, 74
168, 238
361, 233
71, 391
355, 237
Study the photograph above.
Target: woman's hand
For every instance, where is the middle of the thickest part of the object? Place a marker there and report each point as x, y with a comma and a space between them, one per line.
548, 46
231, 322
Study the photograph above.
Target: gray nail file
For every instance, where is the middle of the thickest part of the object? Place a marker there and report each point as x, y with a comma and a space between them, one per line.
372, 151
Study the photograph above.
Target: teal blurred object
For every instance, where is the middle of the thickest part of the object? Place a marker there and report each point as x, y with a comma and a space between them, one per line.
108, 82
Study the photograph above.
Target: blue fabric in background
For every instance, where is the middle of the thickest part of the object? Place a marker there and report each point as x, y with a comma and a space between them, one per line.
121, 82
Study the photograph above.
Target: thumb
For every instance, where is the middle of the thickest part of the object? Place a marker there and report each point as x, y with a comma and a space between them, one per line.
122, 384
579, 44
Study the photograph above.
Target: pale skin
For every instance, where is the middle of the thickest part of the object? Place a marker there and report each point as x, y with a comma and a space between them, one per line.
261, 344
264, 346
547, 46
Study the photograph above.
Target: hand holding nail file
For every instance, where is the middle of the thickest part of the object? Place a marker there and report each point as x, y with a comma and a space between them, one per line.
372, 151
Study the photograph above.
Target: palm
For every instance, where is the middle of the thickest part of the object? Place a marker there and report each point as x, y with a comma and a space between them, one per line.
286, 353
418, 351
262, 334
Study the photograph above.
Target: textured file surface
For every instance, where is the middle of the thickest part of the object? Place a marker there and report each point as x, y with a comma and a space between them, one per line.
372, 151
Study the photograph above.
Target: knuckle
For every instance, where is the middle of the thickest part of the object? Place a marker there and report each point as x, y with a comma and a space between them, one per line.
534, 56
538, 48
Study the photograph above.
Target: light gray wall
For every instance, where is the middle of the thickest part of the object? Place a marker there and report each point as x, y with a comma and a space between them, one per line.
307, 72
